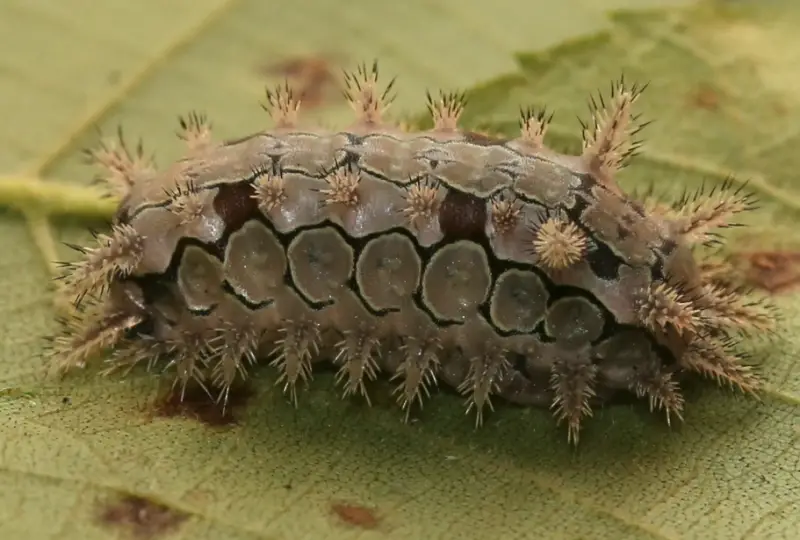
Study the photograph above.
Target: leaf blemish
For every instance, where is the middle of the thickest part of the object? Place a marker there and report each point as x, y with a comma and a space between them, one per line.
195, 405
140, 517
773, 271
356, 515
312, 77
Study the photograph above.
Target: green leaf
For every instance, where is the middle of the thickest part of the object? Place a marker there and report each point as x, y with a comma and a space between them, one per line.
87, 456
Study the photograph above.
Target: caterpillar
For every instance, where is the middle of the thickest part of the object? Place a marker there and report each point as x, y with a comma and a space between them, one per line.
497, 268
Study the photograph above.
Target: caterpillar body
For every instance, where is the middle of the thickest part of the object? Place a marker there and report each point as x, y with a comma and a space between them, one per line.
499, 268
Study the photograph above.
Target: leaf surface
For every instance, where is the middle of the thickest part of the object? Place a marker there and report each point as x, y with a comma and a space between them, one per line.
79, 457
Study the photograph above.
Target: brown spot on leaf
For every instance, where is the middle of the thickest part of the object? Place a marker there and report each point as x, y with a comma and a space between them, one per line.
198, 405
356, 515
140, 517
774, 271
705, 97
313, 78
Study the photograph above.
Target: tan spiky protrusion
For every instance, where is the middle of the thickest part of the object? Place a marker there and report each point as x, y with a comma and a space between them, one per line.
342, 188
195, 131
270, 192
732, 308
123, 166
715, 358
117, 255
608, 140
662, 392
282, 106
293, 351
486, 372
573, 388
417, 371
87, 332
356, 355
422, 203
188, 203
361, 91
558, 243
446, 110
190, 354
232, 350
533, 127
666, 306
699, 213
505, 215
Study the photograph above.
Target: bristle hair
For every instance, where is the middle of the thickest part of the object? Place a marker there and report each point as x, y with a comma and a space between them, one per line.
282, 106
361, 92
558, 243
446, 110
117, 255
122, 165
573, 388
608, 140
533, 127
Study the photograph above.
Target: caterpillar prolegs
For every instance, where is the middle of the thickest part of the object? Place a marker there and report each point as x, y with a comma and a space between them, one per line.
496, 267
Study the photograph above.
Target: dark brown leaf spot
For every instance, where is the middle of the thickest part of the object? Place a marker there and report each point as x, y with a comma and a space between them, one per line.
462, 216
141, 518
198, 405
235, 204
312, 78
356, 515
774, 271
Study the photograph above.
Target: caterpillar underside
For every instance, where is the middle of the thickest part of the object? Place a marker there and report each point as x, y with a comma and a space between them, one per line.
499, 268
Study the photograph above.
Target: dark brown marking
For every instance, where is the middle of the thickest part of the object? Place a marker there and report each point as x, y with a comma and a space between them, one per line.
462, 216
356, 515
312, 77
235, 204
198, 405
773, 271
482, 139
140, 517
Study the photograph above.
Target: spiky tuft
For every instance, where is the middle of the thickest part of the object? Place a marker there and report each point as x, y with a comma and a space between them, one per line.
698, 214
356, 357
293, 352
662, 392
117, 256
665, 306
533, 127
573, 388
86, 332
417, 371
558, 243
342, 188
122, 165
195, 131
231, 352
608, 141
188, 203
446, 110
282, 106
716, 358
361, 91
486, 371
422, 202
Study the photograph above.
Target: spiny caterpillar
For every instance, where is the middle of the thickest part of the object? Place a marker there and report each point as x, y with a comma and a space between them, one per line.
500, 268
